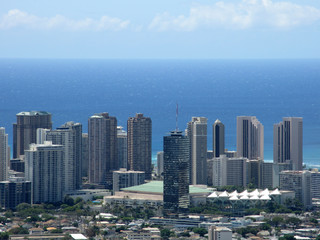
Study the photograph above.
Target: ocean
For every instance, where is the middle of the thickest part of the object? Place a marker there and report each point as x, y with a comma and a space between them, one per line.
73, 90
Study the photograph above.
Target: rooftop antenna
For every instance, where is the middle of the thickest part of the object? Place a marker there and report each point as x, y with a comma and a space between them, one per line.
177, 112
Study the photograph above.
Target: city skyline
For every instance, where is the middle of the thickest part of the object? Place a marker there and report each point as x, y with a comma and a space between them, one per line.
155, 150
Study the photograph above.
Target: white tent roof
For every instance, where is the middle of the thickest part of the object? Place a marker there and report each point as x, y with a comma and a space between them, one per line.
245, 192
234, 193
254, 197
224, 194
213, 195
244, 197
254, 193
234, 198
265, 192
275, 192
265, 197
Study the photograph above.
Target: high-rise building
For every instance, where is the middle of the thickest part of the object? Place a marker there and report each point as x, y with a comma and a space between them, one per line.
25, 130
44, 169
219, 233
103, 154
267, 175
255, 172
298, 182
12, 193
197, 133
4, 155
228, 171
160, 163
17, 165
277, 169
250, 137
41, 135
139, 144
218, 138
176, 148
315, 183
123, 179
69, 135
287, 142
85, 154
122, 147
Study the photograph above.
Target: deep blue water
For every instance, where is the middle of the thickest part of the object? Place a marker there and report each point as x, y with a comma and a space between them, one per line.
73, 90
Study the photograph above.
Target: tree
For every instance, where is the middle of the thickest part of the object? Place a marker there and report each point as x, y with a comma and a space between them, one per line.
276, 221
23, 206
4, 236
18, 230
200, 231
287, 237
92, 231
293, 220
166, 233
68, 200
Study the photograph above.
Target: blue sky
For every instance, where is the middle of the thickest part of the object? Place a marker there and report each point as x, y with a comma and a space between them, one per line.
160, 29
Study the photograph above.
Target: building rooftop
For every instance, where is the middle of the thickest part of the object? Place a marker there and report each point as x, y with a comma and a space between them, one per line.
157, 188
33, 113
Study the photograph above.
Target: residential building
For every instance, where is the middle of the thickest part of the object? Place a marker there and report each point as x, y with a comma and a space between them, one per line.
25, 130
287, 142
298, 182
17, 165
12, 193
267, 175
160, 163
4, 155
228, 171
315, 183
277, 169
250, 137
85, 155
176, 150
44, 169
41, 135
69, 135
218, 138
123, 178
139, 144
197, 133
122, 147
219, 233
103, 153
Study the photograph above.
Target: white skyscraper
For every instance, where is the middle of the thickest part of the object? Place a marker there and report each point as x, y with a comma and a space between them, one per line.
250, 137
197, 133
4, 155
42, 135
44, 168
287, 142
69, 135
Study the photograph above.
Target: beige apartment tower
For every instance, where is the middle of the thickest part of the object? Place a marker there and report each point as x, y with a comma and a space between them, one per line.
287, 142
139, 144
250, 137
197, 133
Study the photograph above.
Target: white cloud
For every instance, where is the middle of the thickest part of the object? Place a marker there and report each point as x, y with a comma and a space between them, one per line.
17, 18
242, 15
